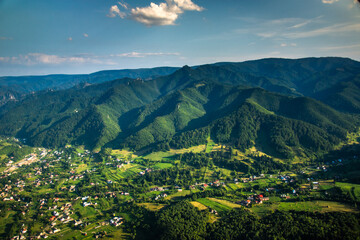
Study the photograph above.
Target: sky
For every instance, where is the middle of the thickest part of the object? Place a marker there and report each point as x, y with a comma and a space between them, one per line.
41, 37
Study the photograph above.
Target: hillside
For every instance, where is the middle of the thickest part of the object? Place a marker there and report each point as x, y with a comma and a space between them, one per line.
240, 117
23, 85
221, 101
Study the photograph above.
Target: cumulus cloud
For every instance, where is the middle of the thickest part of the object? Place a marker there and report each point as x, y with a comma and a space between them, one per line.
329, 1
115, 11
187, 5
162, 14
165, 13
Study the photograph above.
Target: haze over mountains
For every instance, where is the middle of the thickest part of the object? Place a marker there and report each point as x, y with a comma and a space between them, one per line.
284, 107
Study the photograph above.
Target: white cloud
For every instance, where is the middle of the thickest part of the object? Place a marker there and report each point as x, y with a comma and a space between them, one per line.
41, 58
4, 59
304, 23
86, 35
288, 45
142, 55
329, 1
124, 5
344, 47
266, 34
115, 11
165, 13
161, 14
297, 28
32, 59
331, 30
188, 5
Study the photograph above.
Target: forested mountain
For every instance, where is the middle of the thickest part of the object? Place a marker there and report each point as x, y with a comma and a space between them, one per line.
23, 85
232, 103
241, 117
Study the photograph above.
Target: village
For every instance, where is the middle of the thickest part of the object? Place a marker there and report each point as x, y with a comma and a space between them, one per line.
73, 188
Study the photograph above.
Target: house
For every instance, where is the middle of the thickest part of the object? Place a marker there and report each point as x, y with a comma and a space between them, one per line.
265, 199
116, 221
244, 203
85, 198
76, 223
315, 185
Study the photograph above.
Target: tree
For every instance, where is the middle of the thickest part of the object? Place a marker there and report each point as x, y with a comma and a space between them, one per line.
182, 221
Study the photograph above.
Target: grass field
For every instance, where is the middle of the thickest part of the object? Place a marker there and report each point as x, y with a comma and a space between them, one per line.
123, 153
163, 165
352, 189
225, 202
196, 149
199, 206
179, 194
210, 145
234, 186
158, 156
214, 205
152, 206
310, 206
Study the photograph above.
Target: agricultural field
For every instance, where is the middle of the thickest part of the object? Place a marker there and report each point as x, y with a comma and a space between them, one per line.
353, 190
308, 206
199, 205
152, 206
100, 186
219, 207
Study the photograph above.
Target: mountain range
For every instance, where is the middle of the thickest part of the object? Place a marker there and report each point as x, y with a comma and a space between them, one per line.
284, 107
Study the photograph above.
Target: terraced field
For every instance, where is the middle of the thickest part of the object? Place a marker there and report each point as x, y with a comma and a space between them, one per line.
118, 174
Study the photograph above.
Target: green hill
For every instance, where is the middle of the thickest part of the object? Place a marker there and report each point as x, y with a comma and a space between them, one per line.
223, 101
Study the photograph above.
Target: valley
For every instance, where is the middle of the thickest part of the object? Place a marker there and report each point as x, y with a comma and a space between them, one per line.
74, 193
218, 151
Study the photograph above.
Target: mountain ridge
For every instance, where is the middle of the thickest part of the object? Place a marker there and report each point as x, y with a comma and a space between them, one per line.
218, 101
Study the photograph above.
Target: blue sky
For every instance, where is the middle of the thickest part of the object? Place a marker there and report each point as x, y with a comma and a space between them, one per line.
84, 36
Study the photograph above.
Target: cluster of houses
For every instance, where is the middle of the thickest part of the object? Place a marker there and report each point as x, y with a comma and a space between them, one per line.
286, 179
147, 170
253, 199
59, 215
160, 196
203, 186
87, 201
116, 221
159, 189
